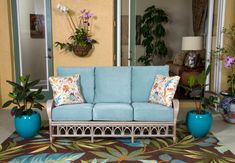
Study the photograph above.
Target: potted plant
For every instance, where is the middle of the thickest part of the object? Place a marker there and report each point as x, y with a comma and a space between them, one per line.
199, 120
81, 41
153, 32
24, 102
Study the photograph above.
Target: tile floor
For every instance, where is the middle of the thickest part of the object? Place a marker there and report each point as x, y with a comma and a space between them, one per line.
222, 130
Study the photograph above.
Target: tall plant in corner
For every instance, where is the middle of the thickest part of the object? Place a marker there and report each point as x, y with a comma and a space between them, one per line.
153, 32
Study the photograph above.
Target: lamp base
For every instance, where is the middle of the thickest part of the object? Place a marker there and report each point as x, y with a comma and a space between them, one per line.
191, 59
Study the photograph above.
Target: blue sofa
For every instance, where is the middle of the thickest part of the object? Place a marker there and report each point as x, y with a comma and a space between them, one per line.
116, 105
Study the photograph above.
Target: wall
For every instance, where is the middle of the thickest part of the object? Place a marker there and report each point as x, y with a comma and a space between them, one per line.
102, 31
6, 63
179, 25
229, 20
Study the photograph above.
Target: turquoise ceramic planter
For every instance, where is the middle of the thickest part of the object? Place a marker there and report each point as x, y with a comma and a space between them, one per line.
199, 124
28, 126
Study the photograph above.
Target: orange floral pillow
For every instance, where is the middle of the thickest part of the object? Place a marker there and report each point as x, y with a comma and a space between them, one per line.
163, 90
66, 90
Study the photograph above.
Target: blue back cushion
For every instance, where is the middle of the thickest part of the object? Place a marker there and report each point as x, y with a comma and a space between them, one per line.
113, 84
142, 81
87, 79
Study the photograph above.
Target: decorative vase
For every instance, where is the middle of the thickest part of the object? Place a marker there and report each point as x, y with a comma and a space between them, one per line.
228, 107
199, 124
82, 51
28, 126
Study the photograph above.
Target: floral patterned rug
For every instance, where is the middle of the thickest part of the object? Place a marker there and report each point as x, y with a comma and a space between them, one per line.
156, 150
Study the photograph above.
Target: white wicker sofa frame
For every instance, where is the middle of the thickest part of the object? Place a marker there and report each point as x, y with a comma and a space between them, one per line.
93, 129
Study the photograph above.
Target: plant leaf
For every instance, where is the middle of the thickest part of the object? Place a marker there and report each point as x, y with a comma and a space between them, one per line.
124, 151
136, 153
114, 152
13, 110
40, 149
39, 96
191, 81
33, 83
38, 106
6, 104
15, 85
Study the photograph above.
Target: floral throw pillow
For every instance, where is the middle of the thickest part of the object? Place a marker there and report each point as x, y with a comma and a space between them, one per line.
66, 90
163, 90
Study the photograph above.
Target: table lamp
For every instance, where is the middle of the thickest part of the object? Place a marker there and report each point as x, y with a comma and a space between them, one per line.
191, 44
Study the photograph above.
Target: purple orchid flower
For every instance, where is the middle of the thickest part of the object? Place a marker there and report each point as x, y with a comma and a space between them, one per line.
86, 14
229, 61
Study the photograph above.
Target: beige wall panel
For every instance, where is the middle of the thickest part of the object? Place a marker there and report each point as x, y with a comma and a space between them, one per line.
6, 64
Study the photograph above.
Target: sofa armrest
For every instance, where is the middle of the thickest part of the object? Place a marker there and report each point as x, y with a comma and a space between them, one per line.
176, 109
49, 109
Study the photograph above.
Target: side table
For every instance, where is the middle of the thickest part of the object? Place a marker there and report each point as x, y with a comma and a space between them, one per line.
190, 72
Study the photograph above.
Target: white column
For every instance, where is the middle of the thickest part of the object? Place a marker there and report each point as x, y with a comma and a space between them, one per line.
219, 44
129, 33
209, 38
119, 31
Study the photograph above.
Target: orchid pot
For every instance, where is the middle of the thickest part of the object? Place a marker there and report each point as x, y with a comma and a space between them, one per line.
82, 51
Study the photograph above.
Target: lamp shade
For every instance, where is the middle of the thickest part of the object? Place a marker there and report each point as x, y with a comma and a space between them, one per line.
192, 43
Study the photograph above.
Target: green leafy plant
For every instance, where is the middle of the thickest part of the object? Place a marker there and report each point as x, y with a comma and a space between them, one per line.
80, 37
22, 98
153, 32
203, 99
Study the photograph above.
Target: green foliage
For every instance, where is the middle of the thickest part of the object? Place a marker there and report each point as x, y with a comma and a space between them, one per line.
210, 102
80, 37
153, 32
22, 98
231, 82
191, 81
197, 85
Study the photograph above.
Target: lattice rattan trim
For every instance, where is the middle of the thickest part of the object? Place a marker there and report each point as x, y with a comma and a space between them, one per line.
111, 130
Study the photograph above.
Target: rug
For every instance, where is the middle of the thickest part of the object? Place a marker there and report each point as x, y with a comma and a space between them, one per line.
147, 150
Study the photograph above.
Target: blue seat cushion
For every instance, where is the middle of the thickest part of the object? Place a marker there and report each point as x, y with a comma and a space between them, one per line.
113, 84
152, 112
113, 112
87, 80
73, 112
142, 81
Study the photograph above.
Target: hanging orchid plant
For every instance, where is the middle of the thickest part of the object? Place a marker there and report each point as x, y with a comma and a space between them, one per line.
80, 41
